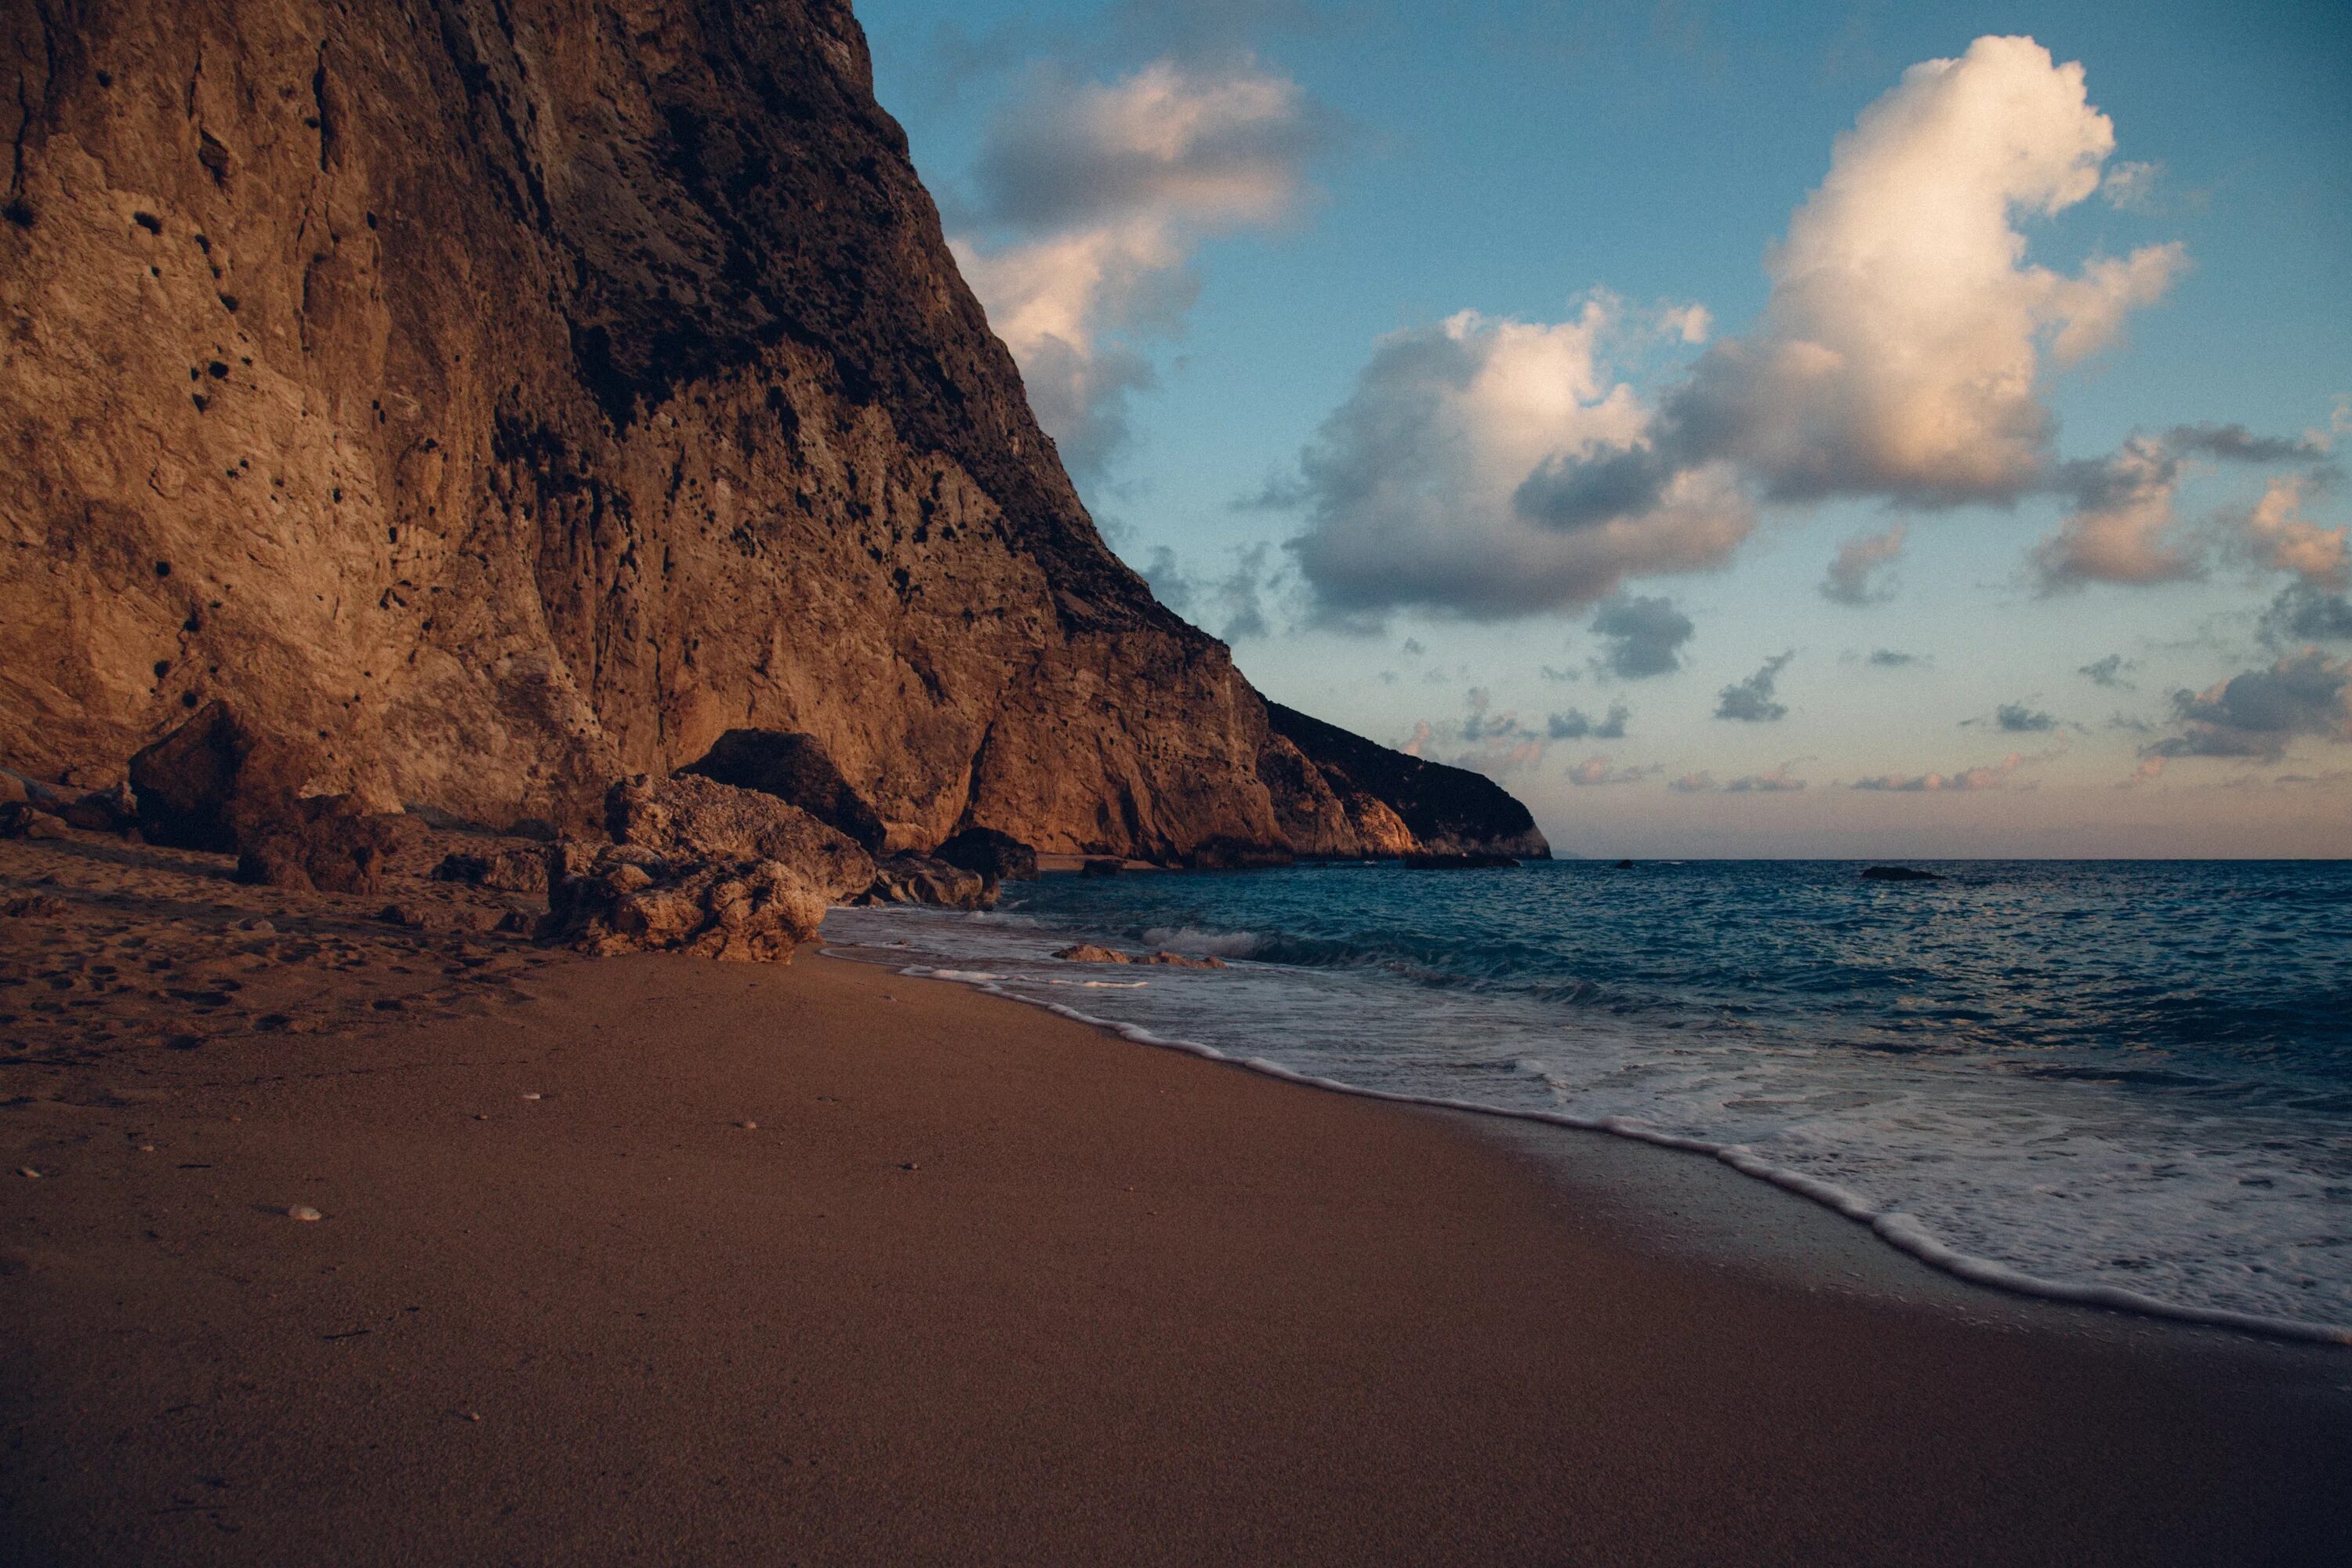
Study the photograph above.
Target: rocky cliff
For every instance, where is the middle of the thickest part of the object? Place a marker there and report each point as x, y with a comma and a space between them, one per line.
500, 396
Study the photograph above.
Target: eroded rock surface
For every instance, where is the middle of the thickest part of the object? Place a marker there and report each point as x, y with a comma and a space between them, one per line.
691, 819
922, 879
621, 898
495, 398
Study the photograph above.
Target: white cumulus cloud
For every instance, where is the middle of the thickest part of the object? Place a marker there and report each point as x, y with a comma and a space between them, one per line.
1494, 468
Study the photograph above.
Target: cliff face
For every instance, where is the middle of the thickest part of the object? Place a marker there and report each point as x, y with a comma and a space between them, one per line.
502, 395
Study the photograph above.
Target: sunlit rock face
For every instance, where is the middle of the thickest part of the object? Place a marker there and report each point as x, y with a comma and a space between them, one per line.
498, 398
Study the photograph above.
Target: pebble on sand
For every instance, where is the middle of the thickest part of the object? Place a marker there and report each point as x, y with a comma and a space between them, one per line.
748, 1126
27, 1171
304, 1212
532, 1094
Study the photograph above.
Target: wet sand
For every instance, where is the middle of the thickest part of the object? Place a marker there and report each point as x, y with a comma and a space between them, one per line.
984, 1284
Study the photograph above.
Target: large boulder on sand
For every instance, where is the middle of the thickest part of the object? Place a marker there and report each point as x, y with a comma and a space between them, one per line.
187, 782
796, 770
623, 898
920, 879
999, 856
694, 818
325, 844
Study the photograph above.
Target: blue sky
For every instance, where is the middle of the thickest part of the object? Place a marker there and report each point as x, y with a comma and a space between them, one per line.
2081, 340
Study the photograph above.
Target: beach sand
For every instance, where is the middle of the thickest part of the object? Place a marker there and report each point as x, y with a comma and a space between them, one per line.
658, 1260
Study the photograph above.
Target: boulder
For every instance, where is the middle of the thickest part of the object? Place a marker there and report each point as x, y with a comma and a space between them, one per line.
1098, 866
325, 844
1236, 855
508, 870
695, 818
796, 770
1092, 953
103, 810
920, 879
187, 782
19, 819
621, 898
997, 856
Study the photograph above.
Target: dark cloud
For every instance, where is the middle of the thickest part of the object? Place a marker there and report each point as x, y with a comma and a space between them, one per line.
1888, 658
1234, 604
1412, 647
1777, 782
2017, 719
1645, 635
2236, 444
1577, 725
1169, 584
2108, 671
2302, 613
1750, 701
2256, 714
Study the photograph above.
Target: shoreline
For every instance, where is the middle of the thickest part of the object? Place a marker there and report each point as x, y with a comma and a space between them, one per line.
984, 1284
1895, 1230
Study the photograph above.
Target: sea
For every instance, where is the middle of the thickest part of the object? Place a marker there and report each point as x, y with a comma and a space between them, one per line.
2122, 1082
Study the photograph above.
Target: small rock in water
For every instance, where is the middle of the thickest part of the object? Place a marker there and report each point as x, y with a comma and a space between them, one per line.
1091, 953
303, 1211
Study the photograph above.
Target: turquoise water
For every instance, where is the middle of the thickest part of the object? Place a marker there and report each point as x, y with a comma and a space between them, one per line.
2129, 1080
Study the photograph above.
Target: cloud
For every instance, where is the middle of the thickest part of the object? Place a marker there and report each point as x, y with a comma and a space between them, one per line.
1595, 771
1645, 635
1412, 647
1900, 352
2256, 714
1888, 658
2120, 529
1094, 196
1750, 701
1576, 725
2107, 671
2302, 613
1777, 782
2278, 536
1990, 776
2017, 719
2123, 525
1234, 604
1417, 489
2131, 186
1492, 468
1849, 580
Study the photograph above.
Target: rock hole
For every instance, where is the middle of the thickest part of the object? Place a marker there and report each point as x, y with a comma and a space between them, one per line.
149, 221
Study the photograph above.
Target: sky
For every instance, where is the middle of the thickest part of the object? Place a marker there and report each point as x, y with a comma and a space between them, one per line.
1838, 429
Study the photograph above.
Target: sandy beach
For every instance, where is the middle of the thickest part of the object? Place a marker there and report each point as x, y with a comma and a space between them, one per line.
655, 1259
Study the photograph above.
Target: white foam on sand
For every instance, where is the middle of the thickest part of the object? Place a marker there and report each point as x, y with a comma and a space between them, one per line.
1899, 1229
